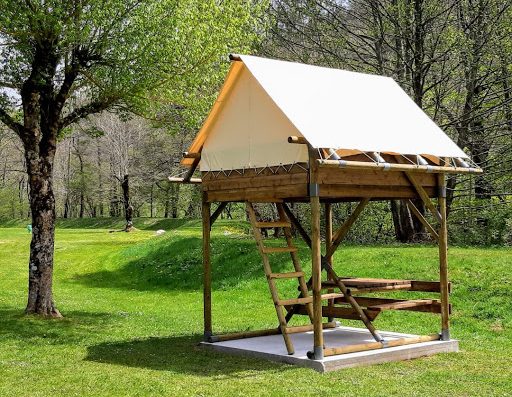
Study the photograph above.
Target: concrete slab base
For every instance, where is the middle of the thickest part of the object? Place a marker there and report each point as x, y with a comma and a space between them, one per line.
272, 348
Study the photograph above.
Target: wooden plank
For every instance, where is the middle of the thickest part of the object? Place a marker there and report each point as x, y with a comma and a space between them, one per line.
401, 305
287, 275
363, 282
259, 195
347, 313
276, 250
333, 176
414, 285
428, 286
295, 301
240, 182
243, 335
373, 192
332, 351
331, 295
308, 328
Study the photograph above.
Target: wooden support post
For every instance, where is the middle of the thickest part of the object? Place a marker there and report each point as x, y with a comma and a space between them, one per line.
207, 270
316, 262
328, 243
190, 172
316, 259
443, 260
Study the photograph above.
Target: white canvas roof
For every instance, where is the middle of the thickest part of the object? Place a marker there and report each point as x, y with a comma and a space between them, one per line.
264, 101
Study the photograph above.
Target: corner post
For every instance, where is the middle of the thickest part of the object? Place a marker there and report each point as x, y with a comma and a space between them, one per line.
328, 244
443, 259
316, 262
207, 269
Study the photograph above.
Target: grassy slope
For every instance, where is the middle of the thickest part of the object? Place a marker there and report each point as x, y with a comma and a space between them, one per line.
132, 306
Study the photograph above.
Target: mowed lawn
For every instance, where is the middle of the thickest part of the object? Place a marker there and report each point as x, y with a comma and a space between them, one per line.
133, 317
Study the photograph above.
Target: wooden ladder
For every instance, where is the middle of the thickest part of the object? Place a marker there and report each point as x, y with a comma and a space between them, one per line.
280, 304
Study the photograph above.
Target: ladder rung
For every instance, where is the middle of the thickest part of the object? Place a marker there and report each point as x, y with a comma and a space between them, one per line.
402, 304
271, 250
296, 301
287, 275
273, 224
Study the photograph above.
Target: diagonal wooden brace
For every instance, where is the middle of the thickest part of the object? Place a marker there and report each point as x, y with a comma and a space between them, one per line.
422, 219
337, 239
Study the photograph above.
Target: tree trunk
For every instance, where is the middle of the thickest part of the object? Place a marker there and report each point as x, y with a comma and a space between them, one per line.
42, 205
128, 209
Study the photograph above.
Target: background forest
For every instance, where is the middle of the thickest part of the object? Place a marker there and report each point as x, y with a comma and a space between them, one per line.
453, 57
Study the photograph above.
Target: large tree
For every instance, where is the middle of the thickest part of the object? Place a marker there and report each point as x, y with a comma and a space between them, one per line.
63, 60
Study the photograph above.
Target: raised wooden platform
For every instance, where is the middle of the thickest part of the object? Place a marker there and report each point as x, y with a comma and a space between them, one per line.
272, 348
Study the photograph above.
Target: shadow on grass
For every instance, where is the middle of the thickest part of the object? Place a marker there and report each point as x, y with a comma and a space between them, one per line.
75, 327
105, 223
179, 354
176, 264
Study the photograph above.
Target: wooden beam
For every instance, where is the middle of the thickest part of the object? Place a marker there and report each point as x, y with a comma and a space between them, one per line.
188, 175
193, 181
190, 155
207, 270
298, 139
342, 232
298, 226
443, 260
424, 196
328, 243
243, 335
363, 165
217, 213
332, 351
422, 219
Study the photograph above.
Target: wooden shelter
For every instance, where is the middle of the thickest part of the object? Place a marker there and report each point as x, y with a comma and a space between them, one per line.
284, 132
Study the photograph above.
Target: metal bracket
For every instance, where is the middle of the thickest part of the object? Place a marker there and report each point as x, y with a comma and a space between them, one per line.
314, 190
445, 334
442, 191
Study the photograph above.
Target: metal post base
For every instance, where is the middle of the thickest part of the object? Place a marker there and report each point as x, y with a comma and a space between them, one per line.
207, 337
317, 353
445, 334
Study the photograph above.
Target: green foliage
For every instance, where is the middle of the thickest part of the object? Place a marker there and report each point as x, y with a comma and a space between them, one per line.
133, 317
129, 53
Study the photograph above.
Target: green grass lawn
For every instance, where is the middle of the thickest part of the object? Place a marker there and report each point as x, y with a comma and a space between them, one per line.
133, 318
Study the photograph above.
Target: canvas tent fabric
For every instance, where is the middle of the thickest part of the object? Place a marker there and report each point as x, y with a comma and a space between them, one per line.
265, 101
